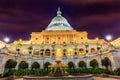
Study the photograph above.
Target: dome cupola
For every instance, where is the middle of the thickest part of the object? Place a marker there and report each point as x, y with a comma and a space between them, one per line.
59, 23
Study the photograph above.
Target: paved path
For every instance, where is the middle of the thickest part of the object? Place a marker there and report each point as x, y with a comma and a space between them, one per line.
100, 78
19, 79
95, 78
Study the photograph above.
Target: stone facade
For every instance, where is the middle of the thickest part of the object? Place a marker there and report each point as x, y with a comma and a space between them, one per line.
59, 37
112, 55
59, 41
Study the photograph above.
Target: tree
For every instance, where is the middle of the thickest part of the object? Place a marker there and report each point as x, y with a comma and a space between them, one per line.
70, 65
106, 62
94, 63
23, 65
10, 64
46, 65
30, 48
82, 64
35, 65
18, 44
86, 46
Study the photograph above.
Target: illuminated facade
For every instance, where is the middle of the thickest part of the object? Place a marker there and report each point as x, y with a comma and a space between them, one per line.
58, 31
57, 34
60, 41
59, 37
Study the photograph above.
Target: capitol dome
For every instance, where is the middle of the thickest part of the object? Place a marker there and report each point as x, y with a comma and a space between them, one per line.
59, 23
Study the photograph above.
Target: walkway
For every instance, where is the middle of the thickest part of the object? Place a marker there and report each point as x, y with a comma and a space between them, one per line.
95, 78
100, 78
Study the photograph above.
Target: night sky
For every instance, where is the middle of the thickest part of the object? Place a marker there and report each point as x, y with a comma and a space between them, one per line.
18, 18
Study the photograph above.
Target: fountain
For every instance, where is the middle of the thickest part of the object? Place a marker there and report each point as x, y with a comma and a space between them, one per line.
58, 72
58, 69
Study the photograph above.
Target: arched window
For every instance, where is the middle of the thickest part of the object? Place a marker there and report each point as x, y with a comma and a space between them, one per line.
47, 52
93, 50
81, 51
36, 52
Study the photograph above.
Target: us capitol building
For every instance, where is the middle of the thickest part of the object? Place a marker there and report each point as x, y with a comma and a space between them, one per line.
60, 41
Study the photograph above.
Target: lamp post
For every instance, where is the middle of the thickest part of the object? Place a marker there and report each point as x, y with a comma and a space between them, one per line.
18, 45
75, 53
17, 52
64, 48
64, 58
99, 47
53, 56
100, 53
42, 57
75, 47
53, 48
86, 46
30, 48
87, 56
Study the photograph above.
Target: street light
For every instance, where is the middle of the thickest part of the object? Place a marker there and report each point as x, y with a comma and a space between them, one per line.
64, 48
17, 52
99, 52
53, 46
86, 46
42, 58
64, 58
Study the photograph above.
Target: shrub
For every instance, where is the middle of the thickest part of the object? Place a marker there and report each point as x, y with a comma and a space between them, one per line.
94, 63
46, 65
22, 72
41, 72
70, 65
106, 62
35, 65
86, 70
115, 72
23, 65
10, 64
82, 64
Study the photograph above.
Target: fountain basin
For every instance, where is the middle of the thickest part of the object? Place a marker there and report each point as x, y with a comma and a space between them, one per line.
81, 77
58, 69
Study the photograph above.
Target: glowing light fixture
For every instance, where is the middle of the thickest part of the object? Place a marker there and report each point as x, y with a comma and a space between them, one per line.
6, 39
108, 37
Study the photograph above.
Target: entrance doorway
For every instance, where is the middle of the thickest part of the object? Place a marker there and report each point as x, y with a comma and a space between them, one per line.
70, 52
59, 52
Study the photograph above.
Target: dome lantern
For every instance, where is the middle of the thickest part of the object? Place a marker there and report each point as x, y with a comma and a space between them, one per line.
59, 12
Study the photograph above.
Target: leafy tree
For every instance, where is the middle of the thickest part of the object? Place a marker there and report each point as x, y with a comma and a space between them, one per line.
70, 65
17, 44
82, 64
23, 65
35, 65
106, 62
86, 46
94, 63
30, 48
10, 64
46, 65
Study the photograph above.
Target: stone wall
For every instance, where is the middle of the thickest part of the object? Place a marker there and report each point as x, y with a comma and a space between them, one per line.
113, 56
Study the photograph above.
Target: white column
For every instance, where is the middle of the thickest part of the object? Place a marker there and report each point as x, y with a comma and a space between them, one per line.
29, 63
2, 63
